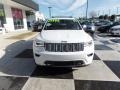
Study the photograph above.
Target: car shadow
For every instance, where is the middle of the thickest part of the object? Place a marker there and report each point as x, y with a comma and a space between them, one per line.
10, 65
18, 61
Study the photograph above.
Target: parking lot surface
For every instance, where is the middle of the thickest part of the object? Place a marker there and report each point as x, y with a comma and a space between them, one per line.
19, 72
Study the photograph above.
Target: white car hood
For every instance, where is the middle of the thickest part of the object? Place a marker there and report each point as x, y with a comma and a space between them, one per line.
65, 35
116, 27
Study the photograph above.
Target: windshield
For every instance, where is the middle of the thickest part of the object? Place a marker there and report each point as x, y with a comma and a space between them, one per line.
62, 24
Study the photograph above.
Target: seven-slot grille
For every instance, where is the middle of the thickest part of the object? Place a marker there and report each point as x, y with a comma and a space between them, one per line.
63, 47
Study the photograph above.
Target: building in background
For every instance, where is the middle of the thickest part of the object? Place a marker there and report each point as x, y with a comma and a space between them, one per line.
15, 14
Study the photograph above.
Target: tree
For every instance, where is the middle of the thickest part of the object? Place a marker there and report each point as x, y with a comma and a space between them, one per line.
112, 18
93, 14
106, 17
101, 17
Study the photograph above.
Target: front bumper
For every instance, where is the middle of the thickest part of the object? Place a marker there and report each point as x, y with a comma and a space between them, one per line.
63, 58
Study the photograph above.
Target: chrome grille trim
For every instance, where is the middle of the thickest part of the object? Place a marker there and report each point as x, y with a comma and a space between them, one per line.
63, 47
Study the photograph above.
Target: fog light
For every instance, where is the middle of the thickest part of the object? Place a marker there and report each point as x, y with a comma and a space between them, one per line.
37, 55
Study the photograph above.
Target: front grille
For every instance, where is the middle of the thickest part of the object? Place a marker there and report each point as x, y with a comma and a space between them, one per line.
63, 47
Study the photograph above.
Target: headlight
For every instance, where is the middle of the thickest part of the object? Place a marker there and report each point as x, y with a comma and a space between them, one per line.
88, 43
39, 43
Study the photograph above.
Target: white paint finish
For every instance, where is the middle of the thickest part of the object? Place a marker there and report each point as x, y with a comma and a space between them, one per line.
96, 71
24, 20
9, 18
65, 35
49, 84
108, 55
61, 36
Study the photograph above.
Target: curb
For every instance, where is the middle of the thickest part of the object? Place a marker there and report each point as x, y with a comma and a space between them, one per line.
28, 38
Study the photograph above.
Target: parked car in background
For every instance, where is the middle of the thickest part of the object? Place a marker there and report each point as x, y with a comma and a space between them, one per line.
63, 43
89, 27
115, 30
104, 26
37, 26
102, 22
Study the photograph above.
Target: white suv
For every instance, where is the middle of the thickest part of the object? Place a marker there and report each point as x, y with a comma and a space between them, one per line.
115, 30
63, 43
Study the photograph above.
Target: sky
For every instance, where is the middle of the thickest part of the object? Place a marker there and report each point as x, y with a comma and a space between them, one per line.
77, 8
